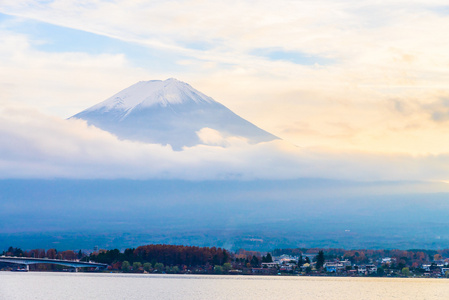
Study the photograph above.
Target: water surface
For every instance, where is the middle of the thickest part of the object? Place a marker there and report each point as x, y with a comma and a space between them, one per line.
43, 285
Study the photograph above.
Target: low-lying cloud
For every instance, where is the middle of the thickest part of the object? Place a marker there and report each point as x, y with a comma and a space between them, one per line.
35, 145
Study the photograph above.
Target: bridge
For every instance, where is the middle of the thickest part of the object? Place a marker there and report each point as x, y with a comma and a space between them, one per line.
27, 261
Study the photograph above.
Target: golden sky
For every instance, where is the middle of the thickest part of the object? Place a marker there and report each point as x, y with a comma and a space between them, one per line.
337, 76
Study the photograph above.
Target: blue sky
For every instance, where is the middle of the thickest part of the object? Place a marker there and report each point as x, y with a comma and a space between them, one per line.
351, 84
291, 56
47, 37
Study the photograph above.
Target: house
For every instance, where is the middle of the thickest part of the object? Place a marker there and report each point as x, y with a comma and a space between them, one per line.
426, 267
263, 271
310, 256
336, 266
367, 269
285, 258
271, 265
371, 269
287, 267
305, 266
345, 263
331, 267
386, 260
444, 270
440, 263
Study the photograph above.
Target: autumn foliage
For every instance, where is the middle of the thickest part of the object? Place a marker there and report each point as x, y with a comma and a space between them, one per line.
169, 255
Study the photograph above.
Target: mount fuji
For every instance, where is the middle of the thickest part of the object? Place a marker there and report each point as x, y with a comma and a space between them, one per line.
168, 112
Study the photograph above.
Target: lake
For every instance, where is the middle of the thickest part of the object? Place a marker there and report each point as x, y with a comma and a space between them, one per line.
46, 285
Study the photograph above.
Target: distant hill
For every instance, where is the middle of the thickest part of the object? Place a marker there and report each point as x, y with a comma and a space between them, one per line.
253, 215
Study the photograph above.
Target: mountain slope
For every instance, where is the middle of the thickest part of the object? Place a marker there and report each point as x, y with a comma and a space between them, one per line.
168, 112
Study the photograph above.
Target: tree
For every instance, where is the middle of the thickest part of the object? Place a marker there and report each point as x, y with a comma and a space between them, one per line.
16, 252
380, 271
125, 266
300, 261
218, 269
227, 267
269, 259
437, 257
226, 257
159, 267
136, 266
320, 260
406, 271
401, 264
147, 266
51, 253
255, 261
68, 254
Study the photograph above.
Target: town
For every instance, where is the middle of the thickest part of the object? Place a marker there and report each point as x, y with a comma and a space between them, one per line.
175, 259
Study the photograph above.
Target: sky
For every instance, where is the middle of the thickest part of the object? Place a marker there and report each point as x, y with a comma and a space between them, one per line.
356, 89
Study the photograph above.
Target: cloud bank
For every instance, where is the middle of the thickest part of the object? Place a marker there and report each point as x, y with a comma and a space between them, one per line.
35, 145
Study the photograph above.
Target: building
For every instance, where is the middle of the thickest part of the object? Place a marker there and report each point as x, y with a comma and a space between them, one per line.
271, 265
336, 266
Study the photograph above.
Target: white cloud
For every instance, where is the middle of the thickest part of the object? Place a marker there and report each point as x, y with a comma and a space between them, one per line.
212, 137
382, 52
34, 145
58, 82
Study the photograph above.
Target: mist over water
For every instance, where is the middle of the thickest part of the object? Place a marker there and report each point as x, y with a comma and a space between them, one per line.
256, 215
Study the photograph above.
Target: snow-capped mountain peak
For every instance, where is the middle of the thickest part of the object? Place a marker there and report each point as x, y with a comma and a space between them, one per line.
153, 92
168, 112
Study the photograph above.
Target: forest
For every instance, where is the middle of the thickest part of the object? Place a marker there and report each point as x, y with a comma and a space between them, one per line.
163, 258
